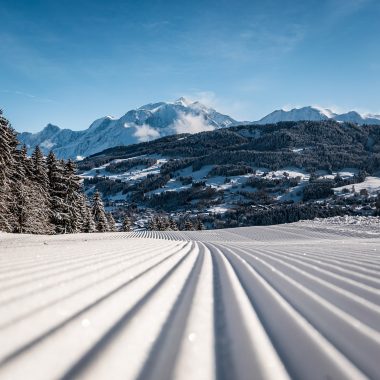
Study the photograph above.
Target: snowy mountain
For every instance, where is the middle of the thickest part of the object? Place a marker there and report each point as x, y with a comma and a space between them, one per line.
296, 114
155, 120
146, 123
318, 114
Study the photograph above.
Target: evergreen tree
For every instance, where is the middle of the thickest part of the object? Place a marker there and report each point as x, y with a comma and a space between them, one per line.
8, 144
40, 172
173, 225
126, 226
162, 223
73, 198
152, 225
99, 215
199, 226
60, 215
30, 210
111, 222
89, 223
40, 196
189, 225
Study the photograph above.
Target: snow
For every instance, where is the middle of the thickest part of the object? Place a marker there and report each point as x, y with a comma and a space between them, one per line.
47, 144
292, 172
218, 209
274, 302
142, 124
196, 175
296, 114
317, 113
136, 173
162, 119
372, 184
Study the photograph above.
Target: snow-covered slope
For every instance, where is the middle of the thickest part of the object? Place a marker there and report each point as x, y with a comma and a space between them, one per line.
295, 301
155, 120
296, 114
318, 114
145, 123
355, 117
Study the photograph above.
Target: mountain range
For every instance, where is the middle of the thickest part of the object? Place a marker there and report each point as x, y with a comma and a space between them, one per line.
146, 123
161, 119
318, 114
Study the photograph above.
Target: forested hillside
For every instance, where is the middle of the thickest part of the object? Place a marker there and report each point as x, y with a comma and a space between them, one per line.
245, 175
310, 145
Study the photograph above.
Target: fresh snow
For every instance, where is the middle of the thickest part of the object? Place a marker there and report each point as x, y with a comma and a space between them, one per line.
278, 302
317, 113
372, 184
145, 123
160, 119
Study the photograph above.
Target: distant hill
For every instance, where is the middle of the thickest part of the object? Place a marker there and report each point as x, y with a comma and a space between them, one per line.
241, 167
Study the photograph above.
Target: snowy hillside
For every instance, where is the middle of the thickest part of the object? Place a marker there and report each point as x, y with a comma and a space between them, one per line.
143, 124
295, 301
245, 175
318, 114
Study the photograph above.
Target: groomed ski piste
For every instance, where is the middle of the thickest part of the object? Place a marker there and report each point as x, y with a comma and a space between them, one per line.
298, 301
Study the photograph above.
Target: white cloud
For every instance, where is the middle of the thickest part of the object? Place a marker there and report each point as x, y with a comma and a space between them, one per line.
237, 109
145, 133
191, 124
208, 98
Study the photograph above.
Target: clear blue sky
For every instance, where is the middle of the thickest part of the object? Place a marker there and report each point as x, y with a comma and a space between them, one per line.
70, 62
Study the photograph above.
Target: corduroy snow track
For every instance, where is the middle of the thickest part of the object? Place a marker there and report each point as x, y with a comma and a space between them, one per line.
299, 301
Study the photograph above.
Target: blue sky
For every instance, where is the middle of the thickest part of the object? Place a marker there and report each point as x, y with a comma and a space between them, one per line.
70, 62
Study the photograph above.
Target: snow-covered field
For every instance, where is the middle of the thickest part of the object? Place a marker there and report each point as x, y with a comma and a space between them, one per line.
371, 184
292, 301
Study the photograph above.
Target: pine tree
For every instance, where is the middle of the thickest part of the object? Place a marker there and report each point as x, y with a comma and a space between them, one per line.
189, 225
30, 210
173, 225
152, 225
40, 172
99, 214
73, 198
39, 196
24, 164
60, 215
8, 144
126, 226
83, 213
111, 222
162, 223
199, 226
89, 223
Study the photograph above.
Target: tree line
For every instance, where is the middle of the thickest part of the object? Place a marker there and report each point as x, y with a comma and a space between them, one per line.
43, 195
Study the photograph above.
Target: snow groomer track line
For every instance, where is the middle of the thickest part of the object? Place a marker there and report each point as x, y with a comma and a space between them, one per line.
299, 301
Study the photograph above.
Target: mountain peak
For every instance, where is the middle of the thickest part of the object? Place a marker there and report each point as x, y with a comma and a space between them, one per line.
316, 113
148, 122
182, 101
51, 128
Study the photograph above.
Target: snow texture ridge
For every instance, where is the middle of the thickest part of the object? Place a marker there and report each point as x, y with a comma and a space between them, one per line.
292, 301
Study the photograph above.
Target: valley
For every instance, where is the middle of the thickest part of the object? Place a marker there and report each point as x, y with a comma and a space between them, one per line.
244, 175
